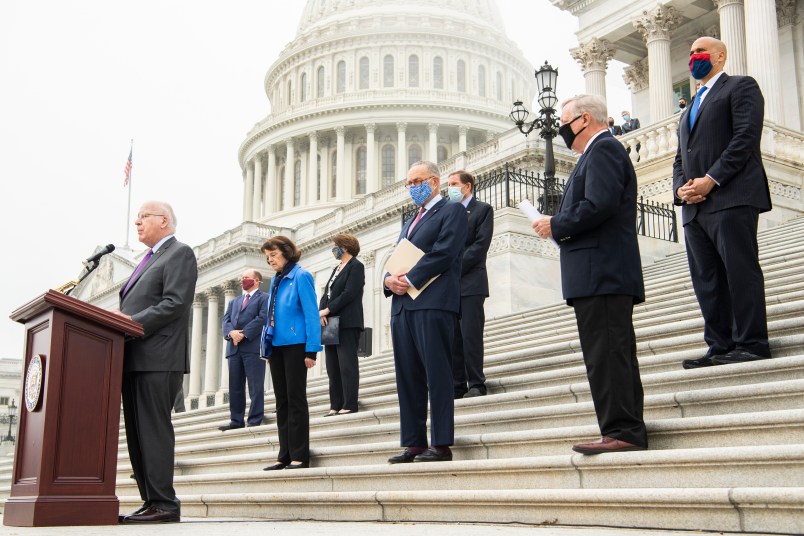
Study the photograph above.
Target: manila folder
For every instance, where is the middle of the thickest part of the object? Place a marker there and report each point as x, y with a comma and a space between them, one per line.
402, 260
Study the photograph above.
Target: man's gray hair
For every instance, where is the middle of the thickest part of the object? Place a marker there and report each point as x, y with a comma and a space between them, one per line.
594, 105
167, 211
431, 167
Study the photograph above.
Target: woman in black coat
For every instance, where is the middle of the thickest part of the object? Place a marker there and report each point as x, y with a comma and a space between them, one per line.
343, 297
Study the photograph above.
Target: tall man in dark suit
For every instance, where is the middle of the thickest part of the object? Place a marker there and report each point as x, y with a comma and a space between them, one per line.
422, 329
719, 179
601, 272
159, 295
242, 326
614, 129
629, 123
467, 348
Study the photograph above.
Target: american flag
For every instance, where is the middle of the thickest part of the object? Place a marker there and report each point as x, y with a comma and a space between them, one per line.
129, 165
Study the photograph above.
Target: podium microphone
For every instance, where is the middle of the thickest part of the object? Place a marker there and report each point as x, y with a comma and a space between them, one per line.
93, 260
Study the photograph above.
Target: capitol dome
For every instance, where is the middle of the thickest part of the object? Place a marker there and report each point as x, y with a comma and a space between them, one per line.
368, 87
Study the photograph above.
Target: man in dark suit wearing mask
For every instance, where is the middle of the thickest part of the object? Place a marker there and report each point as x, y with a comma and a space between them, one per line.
422, 330
242, 325
467, 348
601, 272
159, 295
720, 181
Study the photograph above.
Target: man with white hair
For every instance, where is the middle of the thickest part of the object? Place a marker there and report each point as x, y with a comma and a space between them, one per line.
158, 295
601, 272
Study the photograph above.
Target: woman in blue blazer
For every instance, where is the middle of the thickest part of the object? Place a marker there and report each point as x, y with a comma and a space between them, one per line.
290, 341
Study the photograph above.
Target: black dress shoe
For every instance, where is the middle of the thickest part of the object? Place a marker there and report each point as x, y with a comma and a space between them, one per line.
475, 391
229, 427
275, 467
141, 509
152, 514
705, 361
304, 465
442, 454
406, 457
737, 356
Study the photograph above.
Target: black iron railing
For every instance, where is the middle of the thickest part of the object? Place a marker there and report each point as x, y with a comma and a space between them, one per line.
507, 187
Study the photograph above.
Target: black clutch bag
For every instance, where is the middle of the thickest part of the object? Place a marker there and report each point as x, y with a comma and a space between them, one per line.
330, 334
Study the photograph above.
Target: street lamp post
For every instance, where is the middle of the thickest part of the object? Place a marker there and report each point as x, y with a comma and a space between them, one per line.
12, 413
547, 123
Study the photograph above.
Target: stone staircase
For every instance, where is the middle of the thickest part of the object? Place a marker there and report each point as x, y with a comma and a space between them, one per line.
726, 443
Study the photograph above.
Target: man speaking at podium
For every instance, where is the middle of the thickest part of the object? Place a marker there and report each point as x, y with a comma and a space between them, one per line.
159, 295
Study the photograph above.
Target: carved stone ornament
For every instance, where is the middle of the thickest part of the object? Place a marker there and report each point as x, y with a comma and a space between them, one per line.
594, 54
657, 23
636, 75
786, 13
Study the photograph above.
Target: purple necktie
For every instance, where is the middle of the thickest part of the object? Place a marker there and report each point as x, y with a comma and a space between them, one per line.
142, 264
245, 301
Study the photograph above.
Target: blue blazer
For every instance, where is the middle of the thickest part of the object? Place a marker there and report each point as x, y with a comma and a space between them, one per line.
441, 234
251, 320
595, 226
296, 319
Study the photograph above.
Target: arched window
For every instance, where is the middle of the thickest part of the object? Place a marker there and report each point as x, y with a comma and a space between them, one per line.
499, 86
388, 165
388, 71
442, 153
461, 75
481, 80
413, 71
318, 178
303, 89
320, 82
360, 179
364, 73
290, 93
333, 176
297, 183
438, 73
414, 154
341, 76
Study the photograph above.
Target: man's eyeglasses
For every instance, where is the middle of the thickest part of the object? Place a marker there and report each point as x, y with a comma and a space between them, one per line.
143, 216
418, 182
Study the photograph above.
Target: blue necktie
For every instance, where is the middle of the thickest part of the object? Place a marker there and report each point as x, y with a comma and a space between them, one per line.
695, 104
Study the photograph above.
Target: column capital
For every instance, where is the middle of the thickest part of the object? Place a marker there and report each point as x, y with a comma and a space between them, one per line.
272, 150
231, 287
636, 75
212, 294
313, 136
657, 23
340, 131
463, 130
199, 299
289, 143
401, 127
370, 128
720, 4
786, 13
368, 257
432, 127
593, 54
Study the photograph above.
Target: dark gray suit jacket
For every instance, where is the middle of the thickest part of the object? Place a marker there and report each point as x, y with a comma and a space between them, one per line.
474, 278
161, 298
724, 143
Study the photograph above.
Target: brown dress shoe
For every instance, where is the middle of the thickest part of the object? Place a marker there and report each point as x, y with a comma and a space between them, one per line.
122, 517
606, 444
152, 514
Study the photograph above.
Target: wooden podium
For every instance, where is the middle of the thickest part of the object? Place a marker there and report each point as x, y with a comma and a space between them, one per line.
65, 462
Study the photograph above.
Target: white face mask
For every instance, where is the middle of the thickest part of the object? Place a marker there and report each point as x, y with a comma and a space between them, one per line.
454, 193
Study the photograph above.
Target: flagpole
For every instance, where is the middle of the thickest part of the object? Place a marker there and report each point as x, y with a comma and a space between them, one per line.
128, 211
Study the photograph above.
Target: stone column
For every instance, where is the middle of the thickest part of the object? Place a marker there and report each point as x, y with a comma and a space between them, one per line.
655, 27
325, 170
304, 154
312, 168
271, 204
432, 142
594, 56
213, 361
341, 182
732, 32
462, 138
401, 151
762, 54
372, 174
195, 346
231, 290
290, 161
248, 192
256, 207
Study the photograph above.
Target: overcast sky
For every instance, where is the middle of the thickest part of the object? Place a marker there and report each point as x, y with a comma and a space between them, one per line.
184, 78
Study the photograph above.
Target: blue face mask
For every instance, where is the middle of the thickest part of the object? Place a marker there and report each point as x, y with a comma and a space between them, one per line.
337, 252
455, 193
421, 193
700, 65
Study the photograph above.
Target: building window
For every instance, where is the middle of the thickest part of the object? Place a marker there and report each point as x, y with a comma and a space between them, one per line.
333, 176
290, 93
360, 179
297, 184
303, 89
364, 73
320, 82
438, 73
413, 71
341, 76
3, 401
318, 178
388, 165
442, 153
414, 154
499, 86
481, 80
461, 75
388, 71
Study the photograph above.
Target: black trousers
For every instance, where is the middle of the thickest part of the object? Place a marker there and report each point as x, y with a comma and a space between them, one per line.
606, 330
289, 376
148, 399
467, 347
246, 369
723, 257
422, 342
343, 370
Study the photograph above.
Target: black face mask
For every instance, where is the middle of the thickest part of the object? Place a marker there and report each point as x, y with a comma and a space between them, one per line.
565, 131
611, 123
682, 105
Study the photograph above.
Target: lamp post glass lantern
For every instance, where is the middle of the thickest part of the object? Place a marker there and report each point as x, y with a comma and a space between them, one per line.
547, 123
